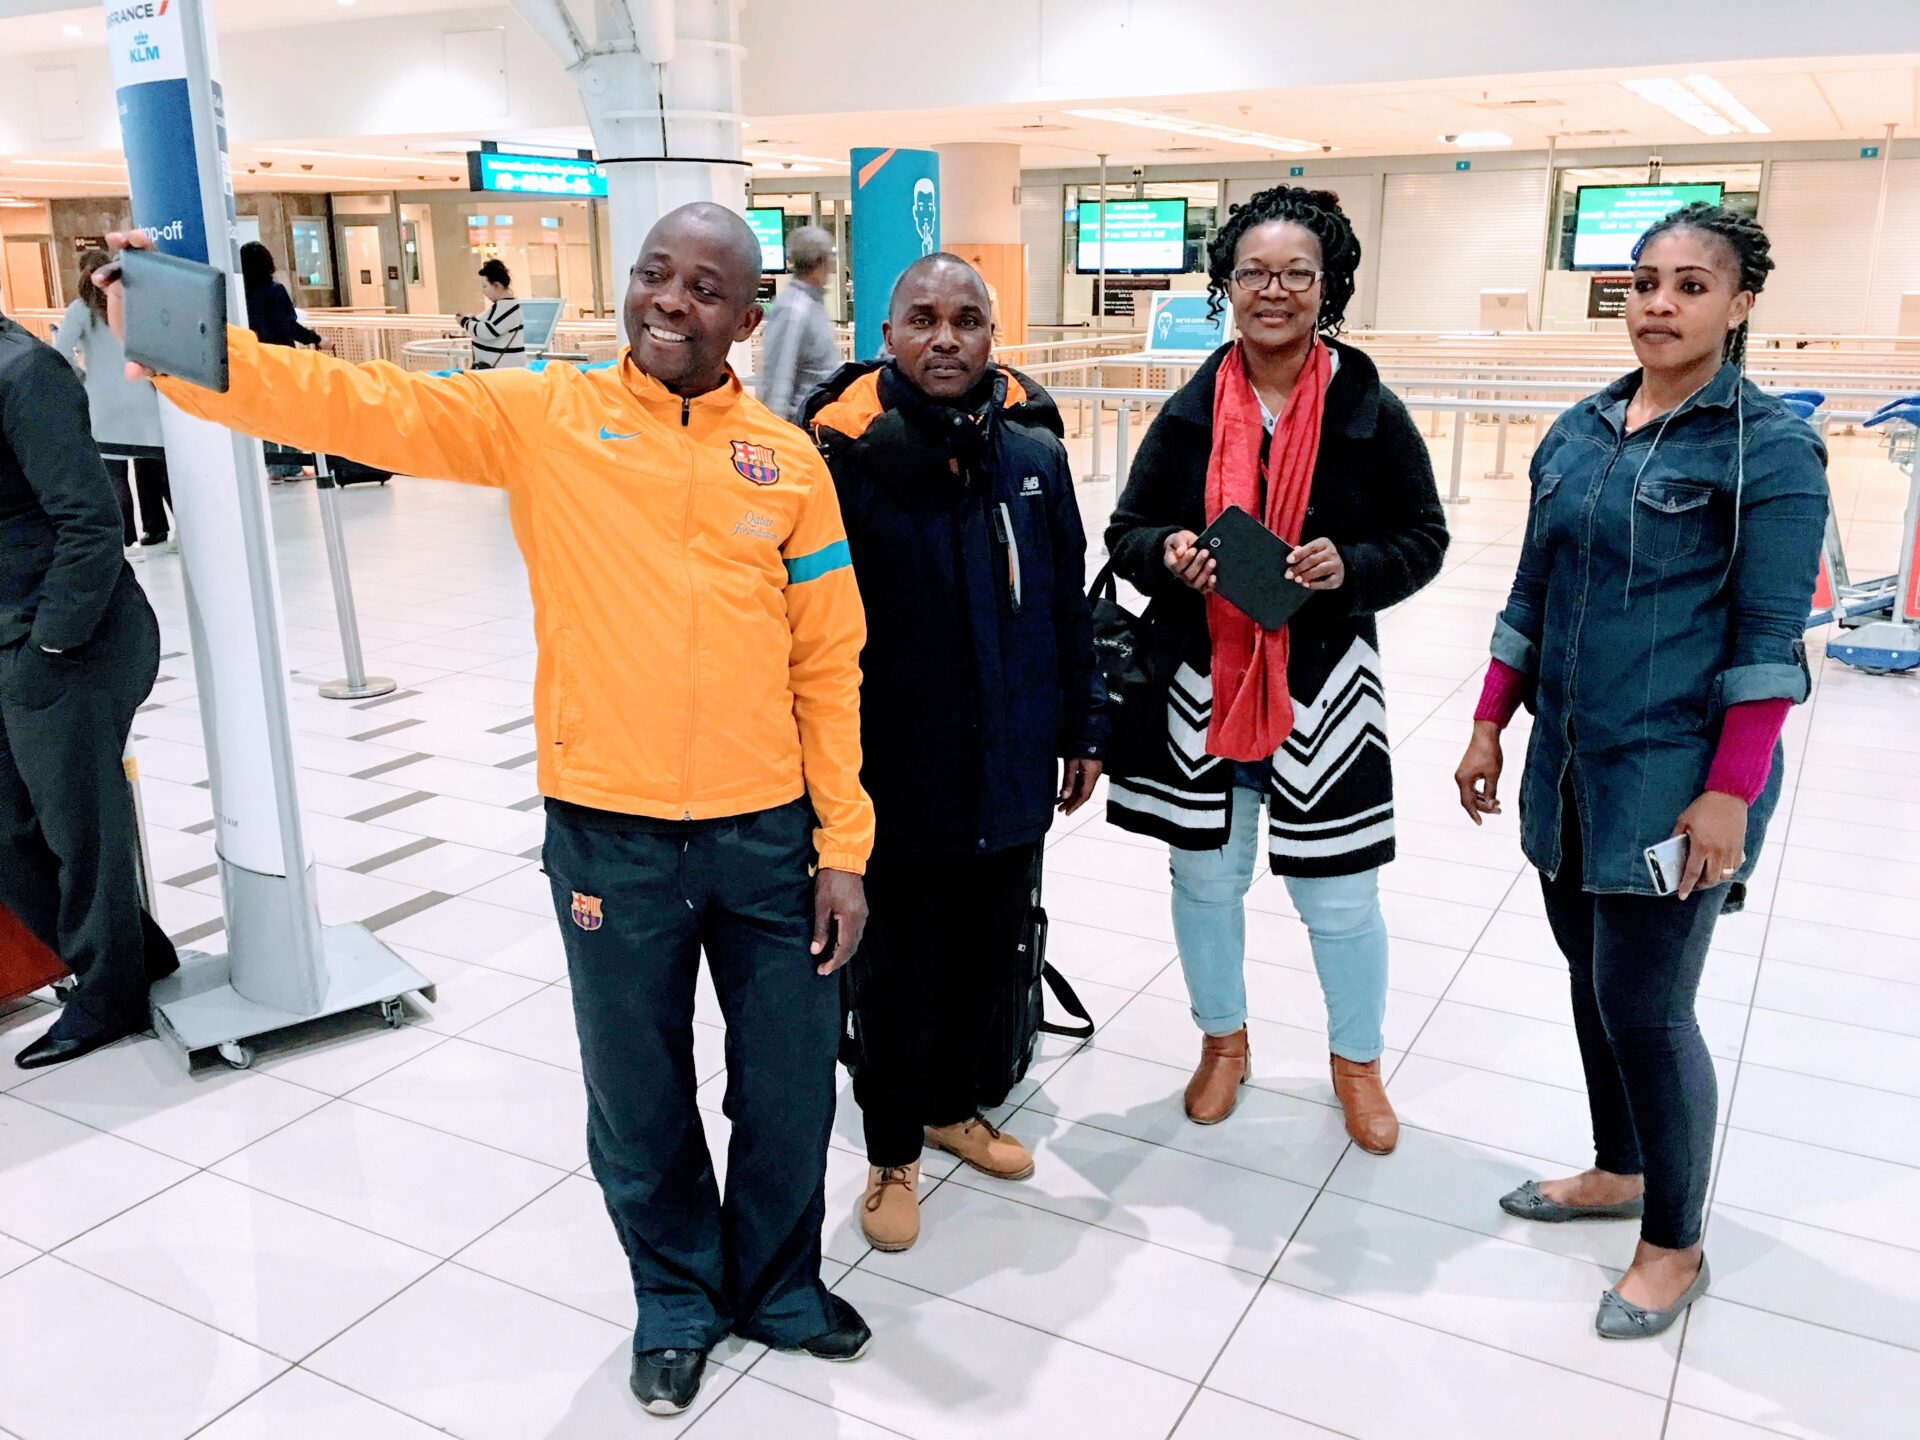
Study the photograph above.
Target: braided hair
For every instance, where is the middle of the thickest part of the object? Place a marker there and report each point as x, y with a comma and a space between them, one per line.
1316, 211
1742, 235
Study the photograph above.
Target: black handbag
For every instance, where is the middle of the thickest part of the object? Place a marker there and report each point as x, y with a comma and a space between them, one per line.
1138, 660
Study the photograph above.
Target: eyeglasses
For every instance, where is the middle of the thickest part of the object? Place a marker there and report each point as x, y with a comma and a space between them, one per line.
1255, 278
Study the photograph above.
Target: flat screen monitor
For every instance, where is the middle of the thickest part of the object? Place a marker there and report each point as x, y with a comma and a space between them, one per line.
1608, 220
769, 225
1144, 237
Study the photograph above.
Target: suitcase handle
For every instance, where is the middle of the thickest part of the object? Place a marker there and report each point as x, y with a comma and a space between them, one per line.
1070, 1002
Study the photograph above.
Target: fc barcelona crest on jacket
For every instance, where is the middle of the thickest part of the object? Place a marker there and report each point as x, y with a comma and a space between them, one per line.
586, 911
755, 462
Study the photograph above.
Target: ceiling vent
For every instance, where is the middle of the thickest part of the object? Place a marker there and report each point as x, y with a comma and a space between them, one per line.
1517, 102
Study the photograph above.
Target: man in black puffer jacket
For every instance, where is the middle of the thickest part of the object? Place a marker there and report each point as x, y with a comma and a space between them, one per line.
978, 681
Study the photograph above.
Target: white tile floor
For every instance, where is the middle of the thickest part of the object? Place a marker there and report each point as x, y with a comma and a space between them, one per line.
391, 1235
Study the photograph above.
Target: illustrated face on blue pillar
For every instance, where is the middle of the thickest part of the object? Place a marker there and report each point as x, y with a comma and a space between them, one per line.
926, 211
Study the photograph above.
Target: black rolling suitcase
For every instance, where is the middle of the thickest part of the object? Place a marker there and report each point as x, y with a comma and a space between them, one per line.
1007, 1049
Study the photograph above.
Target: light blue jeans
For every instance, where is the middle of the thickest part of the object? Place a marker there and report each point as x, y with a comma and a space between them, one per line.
1344, 923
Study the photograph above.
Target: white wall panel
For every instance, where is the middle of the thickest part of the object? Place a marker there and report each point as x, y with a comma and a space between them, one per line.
1445, 237
1819, 216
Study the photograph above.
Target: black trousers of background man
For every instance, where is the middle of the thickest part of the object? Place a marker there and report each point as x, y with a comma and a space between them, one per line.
155, 488
69, 856
935, 969
639, 901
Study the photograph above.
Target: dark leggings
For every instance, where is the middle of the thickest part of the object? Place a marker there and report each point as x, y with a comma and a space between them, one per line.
1635, 961
156, 495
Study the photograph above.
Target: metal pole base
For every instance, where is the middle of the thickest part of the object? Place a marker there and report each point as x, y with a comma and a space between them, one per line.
367, 689
1498, 475
1456, 499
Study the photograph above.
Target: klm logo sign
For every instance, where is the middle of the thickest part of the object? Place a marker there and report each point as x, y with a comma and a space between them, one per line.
143, 49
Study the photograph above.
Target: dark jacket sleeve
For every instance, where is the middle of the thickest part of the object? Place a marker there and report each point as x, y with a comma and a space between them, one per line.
1404, 557
1151, 508
1085, 726
43, 419
285, 323
1520, 626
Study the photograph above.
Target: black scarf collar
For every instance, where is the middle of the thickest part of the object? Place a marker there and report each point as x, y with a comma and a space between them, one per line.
962, 424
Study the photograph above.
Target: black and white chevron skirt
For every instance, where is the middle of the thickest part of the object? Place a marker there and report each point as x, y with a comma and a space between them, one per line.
1329, 787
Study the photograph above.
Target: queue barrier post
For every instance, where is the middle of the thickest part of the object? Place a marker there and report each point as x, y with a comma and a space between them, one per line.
358, 685
1499, 470
1454, 497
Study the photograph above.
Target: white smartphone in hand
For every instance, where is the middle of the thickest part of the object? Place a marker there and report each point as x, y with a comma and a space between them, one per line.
1666, 863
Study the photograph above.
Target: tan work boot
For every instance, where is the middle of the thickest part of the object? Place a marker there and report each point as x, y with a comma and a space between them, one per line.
1226, 1063
1370, 1118
984, 1148
890, 1211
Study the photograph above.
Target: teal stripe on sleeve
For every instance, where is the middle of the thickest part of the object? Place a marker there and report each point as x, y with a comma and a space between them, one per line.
820, 562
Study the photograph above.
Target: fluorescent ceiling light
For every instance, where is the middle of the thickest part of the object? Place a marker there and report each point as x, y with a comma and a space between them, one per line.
70, 164
432, 161
1706, 106
1197, 129
73, 32
1479, 139
1722, 99
782, 167
758, 153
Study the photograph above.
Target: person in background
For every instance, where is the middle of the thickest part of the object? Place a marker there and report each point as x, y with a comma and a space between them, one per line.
980, 710
1296, 429
697, 720
497, 336
79, 651
271, 316
800, 350
1654, 627
125, 413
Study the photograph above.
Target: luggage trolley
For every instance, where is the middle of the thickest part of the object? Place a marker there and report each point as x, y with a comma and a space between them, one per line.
1882, 617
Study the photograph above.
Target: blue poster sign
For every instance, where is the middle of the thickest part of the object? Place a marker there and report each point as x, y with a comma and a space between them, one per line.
1182, 325
147, 50
896, 220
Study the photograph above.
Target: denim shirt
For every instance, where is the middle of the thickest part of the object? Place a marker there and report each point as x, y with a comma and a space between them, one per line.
1656, 587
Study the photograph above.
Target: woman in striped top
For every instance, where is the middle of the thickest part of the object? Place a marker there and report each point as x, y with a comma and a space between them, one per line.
496, 335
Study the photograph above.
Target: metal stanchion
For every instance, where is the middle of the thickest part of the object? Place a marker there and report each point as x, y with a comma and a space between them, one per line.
1098, 423
1454, 497
1499, 470
1120, 451
358, 685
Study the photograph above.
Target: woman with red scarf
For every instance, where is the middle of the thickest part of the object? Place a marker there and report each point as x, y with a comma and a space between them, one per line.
1297, 430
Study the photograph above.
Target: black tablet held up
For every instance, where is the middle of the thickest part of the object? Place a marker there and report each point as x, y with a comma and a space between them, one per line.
176, 316
1252, 568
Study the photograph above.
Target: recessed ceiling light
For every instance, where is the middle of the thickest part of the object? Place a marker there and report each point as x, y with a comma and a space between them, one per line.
759, 153
1478, 139
1703, 102
1198, 129
73, 32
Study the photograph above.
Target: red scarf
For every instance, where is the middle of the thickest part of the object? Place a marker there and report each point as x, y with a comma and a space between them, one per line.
1252, 709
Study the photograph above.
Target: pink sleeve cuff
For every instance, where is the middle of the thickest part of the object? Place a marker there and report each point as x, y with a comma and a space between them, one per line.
1744, 758
1500, 697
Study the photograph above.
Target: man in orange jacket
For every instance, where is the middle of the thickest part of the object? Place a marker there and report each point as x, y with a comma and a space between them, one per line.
697, 716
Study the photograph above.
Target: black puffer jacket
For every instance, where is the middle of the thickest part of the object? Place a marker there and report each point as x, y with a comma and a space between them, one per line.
978, 673
1331, 784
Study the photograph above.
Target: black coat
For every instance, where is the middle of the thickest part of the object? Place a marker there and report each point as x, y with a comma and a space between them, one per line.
969, 697
1331, 783
60, 556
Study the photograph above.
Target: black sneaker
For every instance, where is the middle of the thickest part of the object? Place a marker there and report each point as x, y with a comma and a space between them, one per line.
846, 1339
666, 1381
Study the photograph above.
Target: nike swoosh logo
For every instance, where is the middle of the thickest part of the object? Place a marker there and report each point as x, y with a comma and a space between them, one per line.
606, 434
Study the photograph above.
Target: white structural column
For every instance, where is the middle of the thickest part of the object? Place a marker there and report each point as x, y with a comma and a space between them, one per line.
660, 83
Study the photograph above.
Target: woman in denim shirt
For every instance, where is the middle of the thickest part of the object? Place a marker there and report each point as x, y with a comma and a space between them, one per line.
1655, 627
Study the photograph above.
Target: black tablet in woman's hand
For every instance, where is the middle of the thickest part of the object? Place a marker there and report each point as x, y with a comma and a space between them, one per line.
1251, 568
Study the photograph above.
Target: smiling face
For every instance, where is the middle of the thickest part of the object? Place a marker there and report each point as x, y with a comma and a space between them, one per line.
1684, 301
691, 297
941, 329
1277, 319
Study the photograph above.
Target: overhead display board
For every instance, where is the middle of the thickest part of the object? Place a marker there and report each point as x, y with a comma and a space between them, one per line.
769, 226
1610, 219
1144, 237
550, 176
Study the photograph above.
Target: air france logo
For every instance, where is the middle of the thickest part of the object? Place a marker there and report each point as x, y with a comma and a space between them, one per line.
131, 14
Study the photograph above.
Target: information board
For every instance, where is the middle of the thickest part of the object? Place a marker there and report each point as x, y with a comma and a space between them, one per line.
1147, 236
769, 226
545, 175
1609, 220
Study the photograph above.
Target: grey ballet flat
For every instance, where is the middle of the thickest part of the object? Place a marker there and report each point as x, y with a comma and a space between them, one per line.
1527, 1203
1623, 1320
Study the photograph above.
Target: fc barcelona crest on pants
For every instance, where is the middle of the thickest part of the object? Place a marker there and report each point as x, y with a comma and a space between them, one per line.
755, 462
586, 911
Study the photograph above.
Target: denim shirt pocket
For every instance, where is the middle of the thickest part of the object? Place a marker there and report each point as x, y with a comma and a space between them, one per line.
1667, 517
1549, 483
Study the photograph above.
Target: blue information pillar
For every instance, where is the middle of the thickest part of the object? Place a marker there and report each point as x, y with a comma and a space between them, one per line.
281, 965
896, 220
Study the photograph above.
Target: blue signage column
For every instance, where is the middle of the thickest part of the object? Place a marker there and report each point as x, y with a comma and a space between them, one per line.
896, 220
281, 965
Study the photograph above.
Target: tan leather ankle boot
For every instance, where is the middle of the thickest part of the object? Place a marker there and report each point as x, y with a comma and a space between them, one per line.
890, 1210
1226, 1063
990, 1151
1370, 1118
